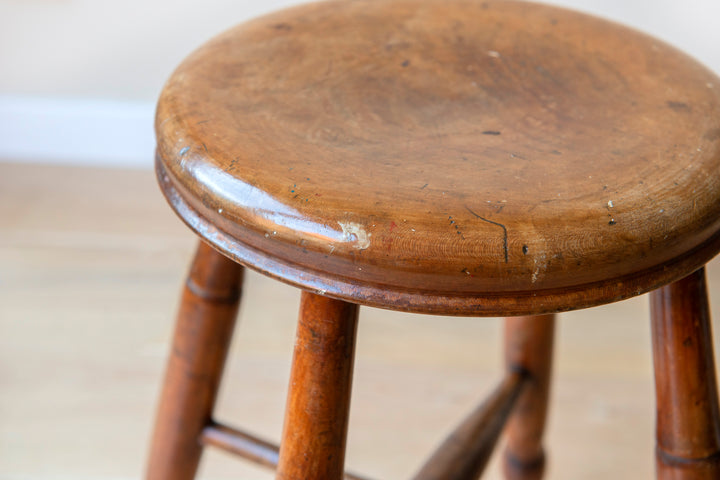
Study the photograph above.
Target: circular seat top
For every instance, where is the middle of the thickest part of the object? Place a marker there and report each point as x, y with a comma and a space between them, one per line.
462, 157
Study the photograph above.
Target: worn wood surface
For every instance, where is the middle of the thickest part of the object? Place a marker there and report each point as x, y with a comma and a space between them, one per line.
528, 349
478, 158
688, 416
318, 402
202, 337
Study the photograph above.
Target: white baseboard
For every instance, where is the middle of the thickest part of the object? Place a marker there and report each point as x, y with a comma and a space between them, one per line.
76, 131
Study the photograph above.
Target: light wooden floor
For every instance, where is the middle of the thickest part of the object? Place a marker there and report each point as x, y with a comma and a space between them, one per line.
91, 262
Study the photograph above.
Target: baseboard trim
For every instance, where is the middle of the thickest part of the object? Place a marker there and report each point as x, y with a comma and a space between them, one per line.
76, 132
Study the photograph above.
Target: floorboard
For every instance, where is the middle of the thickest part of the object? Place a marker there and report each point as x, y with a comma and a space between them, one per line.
91, 263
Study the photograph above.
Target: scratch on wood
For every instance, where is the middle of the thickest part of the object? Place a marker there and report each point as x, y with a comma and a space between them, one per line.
505, 237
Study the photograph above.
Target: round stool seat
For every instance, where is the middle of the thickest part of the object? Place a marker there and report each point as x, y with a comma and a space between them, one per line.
465, 157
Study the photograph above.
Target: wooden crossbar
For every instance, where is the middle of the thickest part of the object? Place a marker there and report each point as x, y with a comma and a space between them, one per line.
247, 446
465, 452
462, 456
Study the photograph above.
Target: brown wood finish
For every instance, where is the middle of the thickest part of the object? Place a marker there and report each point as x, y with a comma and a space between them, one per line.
688, 416
200, 344
528, 349
247, 446
240, 443
318, 404
475, 158
465, 452
494, 158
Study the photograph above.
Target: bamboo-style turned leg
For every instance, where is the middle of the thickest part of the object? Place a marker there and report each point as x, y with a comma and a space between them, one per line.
688, 417
202, 336
528, 348
318, 404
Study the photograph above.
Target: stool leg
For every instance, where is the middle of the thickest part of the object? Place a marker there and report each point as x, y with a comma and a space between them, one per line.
528, 348
318, 403
202, 336
688, 418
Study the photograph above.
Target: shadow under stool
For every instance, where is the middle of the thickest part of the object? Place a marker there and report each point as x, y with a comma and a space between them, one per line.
455, 157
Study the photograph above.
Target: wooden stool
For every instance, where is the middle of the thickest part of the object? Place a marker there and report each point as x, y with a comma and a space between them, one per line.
484, 158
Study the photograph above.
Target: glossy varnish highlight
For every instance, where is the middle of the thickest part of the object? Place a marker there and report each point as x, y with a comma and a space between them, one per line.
490, 157
455, 157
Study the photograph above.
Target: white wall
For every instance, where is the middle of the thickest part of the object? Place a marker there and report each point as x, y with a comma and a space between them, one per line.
78, 78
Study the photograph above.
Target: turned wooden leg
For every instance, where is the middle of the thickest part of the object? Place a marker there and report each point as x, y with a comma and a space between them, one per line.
202, 337
528, 348
688, 418
318, 404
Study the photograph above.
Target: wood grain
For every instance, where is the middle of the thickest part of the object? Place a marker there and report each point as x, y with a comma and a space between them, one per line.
318, 403
462, 158
688, 415
479, 158
199, 348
